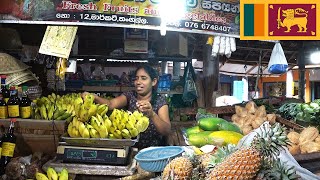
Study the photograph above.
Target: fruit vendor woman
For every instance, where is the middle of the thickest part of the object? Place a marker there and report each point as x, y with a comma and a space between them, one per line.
145, 99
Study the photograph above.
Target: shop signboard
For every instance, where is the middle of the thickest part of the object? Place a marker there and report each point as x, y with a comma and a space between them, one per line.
199, 16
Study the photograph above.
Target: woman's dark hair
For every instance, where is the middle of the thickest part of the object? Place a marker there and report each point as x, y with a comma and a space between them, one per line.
153, 75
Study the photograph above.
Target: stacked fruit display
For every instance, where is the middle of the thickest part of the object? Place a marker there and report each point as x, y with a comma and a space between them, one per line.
214, 131
255, 161
308, 141
120, 124
53, 175
251, 117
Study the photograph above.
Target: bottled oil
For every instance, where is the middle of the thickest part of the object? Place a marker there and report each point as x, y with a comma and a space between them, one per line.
4, 91
13, 104
25, 104
8, 146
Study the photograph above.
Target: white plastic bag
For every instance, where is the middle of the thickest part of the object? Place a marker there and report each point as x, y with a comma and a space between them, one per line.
278, 63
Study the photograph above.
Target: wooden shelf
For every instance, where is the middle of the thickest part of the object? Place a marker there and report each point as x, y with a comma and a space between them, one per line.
34, 124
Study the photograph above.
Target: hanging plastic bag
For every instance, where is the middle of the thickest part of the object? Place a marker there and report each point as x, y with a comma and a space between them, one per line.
278, 63
189, 91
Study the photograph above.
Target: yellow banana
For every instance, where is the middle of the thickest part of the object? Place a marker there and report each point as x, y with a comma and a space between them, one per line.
107, 123
101, 108
52, 174
85, 133
129, 125
64, 174
125, 133
93, 133
132, 119
41, 176
50, 112
81, 127
100, 118
75, 132
111, 136
69, 130
92, 110
99, 126
112, 129
117, 134
134, 132
43, 112
121, 126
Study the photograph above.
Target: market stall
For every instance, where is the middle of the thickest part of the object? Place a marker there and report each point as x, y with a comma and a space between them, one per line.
80, 138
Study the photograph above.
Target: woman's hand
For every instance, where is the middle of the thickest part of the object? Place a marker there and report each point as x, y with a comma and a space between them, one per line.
146, 108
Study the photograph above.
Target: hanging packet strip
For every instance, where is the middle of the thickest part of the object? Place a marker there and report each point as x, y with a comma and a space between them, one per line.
189, 91
278, 63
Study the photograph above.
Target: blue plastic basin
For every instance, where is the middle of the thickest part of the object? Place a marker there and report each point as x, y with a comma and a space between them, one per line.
156, 159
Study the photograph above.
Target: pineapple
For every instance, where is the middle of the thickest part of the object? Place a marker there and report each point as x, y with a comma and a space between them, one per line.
178, 168
246, 162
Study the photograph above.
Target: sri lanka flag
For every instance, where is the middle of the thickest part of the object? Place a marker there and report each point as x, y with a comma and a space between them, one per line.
253, 20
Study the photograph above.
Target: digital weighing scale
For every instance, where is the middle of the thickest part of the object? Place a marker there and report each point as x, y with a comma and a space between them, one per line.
93, 155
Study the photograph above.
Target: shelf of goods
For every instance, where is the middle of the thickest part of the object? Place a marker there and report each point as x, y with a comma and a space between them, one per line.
36, 135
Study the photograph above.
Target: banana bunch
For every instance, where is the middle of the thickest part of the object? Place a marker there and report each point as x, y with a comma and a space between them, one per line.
53, 175
66, 107
127, 125
47, 108
61, 68
95, 128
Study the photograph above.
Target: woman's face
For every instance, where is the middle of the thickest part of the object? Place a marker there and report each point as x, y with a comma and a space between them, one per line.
143, 82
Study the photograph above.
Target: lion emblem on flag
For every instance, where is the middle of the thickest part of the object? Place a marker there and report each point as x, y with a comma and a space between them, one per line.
291, 20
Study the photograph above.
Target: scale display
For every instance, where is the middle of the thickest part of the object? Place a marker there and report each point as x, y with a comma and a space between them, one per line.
94, 156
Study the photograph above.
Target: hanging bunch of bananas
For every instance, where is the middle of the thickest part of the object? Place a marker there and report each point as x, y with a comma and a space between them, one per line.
61, 67
121, 124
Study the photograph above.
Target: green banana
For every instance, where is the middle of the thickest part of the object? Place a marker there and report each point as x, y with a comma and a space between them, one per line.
64, 116
63, 174
51, 112
41, 176
52, 174
58, 113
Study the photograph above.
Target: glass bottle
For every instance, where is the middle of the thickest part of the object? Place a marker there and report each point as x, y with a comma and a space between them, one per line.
8, 146
4, 91
13, 104
25, 104
3, 109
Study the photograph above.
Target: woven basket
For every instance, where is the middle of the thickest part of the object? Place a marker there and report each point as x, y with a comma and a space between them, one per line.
9, 64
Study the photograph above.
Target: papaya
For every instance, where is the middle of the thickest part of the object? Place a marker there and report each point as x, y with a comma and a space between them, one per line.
229, 137
202, 138
193, 130
228, 126
210, 123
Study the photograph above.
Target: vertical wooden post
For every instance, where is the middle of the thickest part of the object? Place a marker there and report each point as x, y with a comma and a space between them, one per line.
211, 75
302, 72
